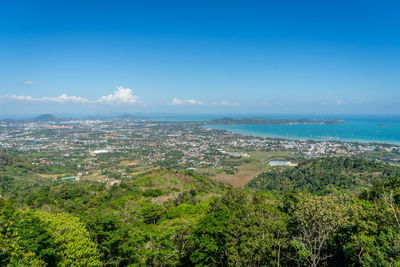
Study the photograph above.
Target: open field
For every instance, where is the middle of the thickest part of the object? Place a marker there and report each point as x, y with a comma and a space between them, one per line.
249, 168
52, 176
126, 163
94, 176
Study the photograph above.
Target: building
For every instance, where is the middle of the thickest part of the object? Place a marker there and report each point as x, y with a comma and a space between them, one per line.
281, 163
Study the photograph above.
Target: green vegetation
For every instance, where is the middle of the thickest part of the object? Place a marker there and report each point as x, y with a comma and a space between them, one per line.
333, 211
324, 175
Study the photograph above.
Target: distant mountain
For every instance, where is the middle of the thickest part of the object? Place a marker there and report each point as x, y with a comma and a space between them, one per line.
9, 120
116, 117
129, 117
46, 117
265, 121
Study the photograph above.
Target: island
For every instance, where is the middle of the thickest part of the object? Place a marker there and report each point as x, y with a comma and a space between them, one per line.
266, 121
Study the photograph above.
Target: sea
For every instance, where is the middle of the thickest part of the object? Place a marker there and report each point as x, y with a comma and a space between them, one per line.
355, 128
362, 128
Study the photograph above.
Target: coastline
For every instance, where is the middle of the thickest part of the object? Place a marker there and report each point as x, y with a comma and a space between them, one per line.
237, 129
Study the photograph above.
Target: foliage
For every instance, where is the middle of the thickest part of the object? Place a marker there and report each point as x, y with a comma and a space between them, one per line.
239, 232
71, 239
12, 249
324, 176
327, 212
318, 219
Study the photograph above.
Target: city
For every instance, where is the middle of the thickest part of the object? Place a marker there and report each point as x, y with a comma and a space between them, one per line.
81, 148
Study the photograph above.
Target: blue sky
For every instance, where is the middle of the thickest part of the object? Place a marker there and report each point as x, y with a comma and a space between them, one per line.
265, 57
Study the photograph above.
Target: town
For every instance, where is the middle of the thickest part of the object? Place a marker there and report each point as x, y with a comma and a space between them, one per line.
112, 150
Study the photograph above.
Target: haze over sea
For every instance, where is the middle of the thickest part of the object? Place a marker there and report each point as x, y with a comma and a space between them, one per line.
380, 129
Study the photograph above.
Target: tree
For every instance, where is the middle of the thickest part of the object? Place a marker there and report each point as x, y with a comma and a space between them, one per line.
372, 237
239, 231
72, 241
151, 213
256, 235
389, 200
12, 250
109, 233
318, 218
34, 236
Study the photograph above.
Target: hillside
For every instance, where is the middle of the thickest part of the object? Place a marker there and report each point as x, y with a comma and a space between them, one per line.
45, 117
168, 217
324, 175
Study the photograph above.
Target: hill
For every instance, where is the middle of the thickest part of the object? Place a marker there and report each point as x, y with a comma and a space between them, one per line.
168, 217
45, 117
129, 117
324, 175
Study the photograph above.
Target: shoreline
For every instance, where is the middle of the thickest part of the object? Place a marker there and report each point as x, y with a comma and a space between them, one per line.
294, 138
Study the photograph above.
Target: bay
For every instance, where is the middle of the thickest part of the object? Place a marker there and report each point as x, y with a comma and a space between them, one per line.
365, 129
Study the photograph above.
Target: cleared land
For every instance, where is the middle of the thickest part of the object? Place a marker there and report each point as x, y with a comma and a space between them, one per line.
249, 167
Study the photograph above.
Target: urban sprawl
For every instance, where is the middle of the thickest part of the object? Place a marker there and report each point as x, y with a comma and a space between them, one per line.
112, 150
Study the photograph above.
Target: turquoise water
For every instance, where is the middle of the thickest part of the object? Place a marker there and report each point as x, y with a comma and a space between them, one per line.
357, 130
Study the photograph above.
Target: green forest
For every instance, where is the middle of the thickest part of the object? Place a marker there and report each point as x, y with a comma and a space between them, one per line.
325, 212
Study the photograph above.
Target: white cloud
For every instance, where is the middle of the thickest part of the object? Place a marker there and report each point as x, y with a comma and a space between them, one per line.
22, 97
193, 102
227, 103
64, 98
120, 96
61, 99
29, 83
339, 101
177, 101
